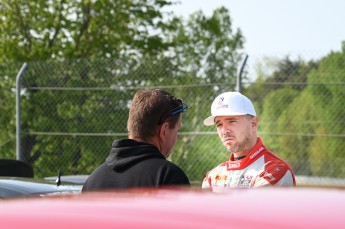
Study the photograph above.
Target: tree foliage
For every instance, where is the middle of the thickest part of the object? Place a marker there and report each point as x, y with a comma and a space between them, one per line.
304, 118
110, 48
40, 30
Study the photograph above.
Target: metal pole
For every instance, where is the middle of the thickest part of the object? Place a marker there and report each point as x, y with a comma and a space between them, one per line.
239, 76
20, 157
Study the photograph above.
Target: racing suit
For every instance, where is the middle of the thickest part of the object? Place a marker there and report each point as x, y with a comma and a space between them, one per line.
259, 168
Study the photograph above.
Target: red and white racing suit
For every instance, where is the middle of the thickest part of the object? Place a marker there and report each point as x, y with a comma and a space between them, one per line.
259, 168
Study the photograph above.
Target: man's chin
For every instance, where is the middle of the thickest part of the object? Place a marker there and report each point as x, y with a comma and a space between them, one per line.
229, 149
233, 149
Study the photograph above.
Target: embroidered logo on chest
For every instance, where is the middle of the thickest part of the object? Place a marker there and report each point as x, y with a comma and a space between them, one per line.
245, 181
221, 177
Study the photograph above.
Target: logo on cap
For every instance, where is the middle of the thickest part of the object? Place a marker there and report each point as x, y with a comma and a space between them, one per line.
220, 103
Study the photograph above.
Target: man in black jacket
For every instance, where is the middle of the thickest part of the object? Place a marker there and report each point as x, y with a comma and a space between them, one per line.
140, 161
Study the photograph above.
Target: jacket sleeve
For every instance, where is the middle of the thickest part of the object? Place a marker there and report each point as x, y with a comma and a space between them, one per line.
275, 174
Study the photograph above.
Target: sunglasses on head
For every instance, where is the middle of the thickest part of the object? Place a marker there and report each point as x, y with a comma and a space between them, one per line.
181, 108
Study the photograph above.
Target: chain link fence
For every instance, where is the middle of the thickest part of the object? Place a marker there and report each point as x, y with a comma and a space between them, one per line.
73, 110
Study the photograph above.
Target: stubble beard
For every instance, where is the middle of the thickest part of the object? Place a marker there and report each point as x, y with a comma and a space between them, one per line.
241, 146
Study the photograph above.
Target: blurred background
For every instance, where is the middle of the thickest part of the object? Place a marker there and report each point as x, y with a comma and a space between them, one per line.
77, 64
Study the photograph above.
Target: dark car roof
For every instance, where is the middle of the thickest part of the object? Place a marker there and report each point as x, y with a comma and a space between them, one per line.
168, 208
15, 168
75, 179
11, 187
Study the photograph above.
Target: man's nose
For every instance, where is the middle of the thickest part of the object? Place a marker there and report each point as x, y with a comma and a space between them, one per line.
224, 130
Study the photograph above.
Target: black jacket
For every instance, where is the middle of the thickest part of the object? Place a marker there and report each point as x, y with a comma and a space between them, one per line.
135, 164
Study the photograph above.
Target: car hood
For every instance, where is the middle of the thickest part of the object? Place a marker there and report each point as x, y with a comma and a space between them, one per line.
181, 208
11, 187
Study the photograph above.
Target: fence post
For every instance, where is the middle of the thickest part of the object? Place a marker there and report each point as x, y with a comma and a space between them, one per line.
239, 76
20, 157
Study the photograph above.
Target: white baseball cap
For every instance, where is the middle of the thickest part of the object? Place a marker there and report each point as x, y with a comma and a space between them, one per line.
230, 104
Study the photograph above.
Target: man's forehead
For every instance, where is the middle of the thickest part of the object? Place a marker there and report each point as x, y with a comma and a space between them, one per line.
219, 118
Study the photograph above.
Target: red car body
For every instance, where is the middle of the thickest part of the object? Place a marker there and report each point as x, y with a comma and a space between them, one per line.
267, 208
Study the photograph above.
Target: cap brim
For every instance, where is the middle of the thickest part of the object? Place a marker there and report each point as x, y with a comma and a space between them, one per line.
209, 121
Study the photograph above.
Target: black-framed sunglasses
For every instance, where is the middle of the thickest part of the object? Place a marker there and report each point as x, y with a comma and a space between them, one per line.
182, 108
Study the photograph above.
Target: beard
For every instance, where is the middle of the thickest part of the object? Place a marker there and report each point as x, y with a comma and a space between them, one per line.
241, 146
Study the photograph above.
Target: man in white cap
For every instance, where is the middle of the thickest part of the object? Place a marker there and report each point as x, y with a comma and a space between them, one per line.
250, 164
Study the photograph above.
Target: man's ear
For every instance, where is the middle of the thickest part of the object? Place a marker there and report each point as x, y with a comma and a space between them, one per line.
163, 131
255, 122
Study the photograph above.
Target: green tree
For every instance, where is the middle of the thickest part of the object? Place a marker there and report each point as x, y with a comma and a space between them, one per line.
329, 125
40, 30
275, 74
302, 119
7, 110
206, 53
63, 30
120, 46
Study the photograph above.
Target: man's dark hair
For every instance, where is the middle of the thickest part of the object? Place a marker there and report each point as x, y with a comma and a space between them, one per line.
149, 109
